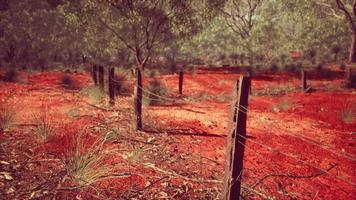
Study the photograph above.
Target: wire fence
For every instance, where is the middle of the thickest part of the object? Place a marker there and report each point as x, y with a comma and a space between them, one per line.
329, 171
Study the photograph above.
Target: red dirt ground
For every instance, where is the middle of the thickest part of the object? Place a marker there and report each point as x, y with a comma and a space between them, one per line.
298, 145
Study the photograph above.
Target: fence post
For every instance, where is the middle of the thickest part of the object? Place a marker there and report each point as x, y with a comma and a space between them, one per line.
111, 85
101, 77
95, 74
304, 80
236, 140
180, 86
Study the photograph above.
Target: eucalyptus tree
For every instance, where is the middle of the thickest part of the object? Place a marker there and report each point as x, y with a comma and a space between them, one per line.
241, 18
346, 10
143, 26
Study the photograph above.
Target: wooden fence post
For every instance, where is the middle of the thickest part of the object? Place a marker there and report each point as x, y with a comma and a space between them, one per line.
304, 80
236, 140
138, 99
111, 85
180, 86
101, 77
95, 74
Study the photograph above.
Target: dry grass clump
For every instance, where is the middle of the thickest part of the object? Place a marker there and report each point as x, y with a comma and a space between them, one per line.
283, 105
7, 115
45, 123
348, 112
87, 158
156, 92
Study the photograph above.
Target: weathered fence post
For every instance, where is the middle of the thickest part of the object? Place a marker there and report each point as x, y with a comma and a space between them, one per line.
101, 77
111, 85
138, 99
236, 140
180, 86
95, 74
304, 80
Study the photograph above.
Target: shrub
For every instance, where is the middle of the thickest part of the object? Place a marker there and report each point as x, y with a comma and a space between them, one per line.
311, 54
290, 67
342, 66
10, 76
6, 116
156, 93
67, 81
95, 94
121, 86
273, 68
283, 58
351, 81
323, 71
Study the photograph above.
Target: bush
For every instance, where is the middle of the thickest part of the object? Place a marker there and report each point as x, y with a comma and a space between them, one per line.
273, 68
95, 94
351, 81
311, 54
10, 76
342, 66
121, 86
323, 71
290, 67
156, 93
67, 81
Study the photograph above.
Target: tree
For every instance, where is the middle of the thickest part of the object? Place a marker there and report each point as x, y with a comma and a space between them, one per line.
348, 9
350, 15
240, 16
143, 26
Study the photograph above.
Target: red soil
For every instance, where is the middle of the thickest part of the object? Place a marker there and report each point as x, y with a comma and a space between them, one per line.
290, 146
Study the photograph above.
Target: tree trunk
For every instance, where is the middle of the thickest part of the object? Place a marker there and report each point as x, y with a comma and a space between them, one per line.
352, 58
95, 74
101, 77
138, 99
180, 86
111, 85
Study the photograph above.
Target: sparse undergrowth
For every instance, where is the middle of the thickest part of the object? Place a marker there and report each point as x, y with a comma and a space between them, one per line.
95, 95
10, 75
67, 81
283, 105
156, 92
7, 115
277, 90
121, 84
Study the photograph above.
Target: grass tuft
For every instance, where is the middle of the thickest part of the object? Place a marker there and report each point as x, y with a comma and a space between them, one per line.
7, 116
283, 105
348, 113
87, 158
45, 123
